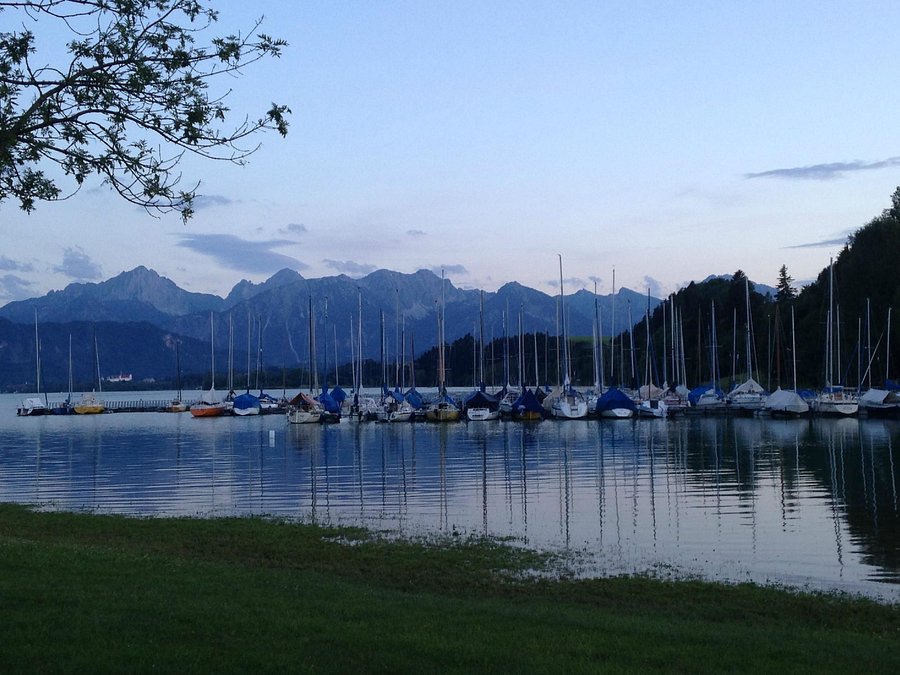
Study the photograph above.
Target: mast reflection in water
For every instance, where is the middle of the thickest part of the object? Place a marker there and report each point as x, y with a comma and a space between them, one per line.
800, 502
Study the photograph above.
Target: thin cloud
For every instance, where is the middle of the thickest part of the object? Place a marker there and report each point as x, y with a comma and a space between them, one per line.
571, 282
449, 269
15, 288
240, 254
294, 229
416, 233
207, 201
654, 286
596, 280
350, 268
10, 265
76, 264
825, 243
829, 171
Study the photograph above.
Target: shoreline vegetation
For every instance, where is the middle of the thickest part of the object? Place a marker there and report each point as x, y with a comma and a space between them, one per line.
85, 592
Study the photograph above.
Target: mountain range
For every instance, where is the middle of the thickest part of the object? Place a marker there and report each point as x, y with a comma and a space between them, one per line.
138, 315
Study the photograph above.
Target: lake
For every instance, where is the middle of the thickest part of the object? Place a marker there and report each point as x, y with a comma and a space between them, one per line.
807, 503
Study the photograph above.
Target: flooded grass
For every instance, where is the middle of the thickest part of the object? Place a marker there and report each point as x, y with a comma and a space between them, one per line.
86, 592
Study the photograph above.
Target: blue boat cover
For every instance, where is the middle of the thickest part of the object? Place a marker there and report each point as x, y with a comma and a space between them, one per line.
481, 399
339, 395
328, 402
414, 398
246, 401
695, 393
527, 402
614, 398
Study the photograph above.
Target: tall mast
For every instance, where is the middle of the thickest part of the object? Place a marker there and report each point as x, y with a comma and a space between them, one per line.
212, 351
562, 311
612, 339
37, 354
747, 336
887, 365
794, 346
481, 344
230, 383
249, 342
596, 340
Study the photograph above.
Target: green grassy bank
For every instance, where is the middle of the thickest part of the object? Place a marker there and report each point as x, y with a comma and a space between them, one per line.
86, 593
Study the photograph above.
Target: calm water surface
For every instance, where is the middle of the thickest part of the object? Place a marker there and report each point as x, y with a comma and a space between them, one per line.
809, 503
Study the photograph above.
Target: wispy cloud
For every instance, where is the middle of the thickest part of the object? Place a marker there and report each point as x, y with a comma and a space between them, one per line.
11, 265
828, 171
596, 280
449, 269
416, 233
294, 229
206, 201
15, 288
350, 268
825, 243
654, 286
570, 283
240, 254
76, 264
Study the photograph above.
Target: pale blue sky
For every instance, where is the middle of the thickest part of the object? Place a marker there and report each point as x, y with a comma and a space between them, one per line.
488, 136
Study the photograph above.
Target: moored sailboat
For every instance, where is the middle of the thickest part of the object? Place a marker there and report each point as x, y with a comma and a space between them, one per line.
833, 399
443, 408
210, 405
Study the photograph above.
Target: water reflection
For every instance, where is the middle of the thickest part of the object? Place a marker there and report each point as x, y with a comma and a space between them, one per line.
796, 501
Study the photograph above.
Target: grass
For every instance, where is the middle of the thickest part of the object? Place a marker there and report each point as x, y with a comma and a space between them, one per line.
83, 592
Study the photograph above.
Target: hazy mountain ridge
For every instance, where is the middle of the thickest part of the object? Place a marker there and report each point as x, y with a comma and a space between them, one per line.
279, 308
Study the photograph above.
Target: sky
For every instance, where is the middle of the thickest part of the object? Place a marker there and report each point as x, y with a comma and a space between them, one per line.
665, 141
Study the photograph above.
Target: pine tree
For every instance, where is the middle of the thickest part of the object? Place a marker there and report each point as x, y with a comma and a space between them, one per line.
785, 289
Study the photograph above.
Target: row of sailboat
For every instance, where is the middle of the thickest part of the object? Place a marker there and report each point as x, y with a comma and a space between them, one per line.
521, 402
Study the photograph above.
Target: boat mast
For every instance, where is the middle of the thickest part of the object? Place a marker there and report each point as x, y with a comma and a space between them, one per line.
97, 358
212, 353
37, 354
597, 384
794, 346
747, 336
562, 311
887, 365
612, 339
230, 383
71, 383
481, 343
441, 318
249, 337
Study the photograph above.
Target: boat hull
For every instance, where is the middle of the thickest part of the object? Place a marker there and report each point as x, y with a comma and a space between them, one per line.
482, 414
617, 414
206, 410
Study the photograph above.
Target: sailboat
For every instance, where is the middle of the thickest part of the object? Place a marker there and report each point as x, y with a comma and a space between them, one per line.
209, 404
177, 404
444, 408
651, 403
787, 402
481, 406
882, 402
33, 405
246, 404
89, 403
833, 399
567, 403
750, 395
65, 407
304, 408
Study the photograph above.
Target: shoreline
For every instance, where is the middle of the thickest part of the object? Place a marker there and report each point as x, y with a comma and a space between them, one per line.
113, 592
